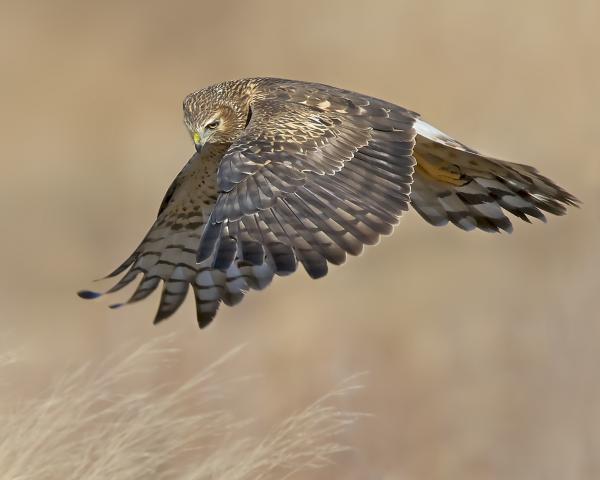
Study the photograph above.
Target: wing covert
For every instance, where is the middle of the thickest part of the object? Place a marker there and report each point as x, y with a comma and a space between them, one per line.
313, 177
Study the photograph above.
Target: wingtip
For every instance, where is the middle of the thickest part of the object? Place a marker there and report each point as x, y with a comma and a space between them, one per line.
162, 315
88, 294
572, 200
205, 321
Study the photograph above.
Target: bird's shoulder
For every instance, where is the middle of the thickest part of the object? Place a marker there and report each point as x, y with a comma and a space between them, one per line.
321, 96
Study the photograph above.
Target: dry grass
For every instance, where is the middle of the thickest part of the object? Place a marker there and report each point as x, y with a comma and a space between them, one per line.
87, 425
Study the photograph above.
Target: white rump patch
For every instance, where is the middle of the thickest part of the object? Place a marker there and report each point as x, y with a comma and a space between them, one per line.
429, 131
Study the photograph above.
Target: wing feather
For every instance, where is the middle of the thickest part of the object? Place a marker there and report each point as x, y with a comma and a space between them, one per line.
168, 254
453, 182
311, 168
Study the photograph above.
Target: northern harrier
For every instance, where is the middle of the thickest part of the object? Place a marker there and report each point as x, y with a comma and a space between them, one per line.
290, 172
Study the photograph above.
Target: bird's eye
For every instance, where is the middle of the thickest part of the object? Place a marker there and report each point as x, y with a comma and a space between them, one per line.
212, 125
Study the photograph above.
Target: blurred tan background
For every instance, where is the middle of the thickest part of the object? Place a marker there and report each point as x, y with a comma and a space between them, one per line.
483, 350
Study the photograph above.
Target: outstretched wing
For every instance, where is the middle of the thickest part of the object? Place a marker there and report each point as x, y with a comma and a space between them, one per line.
453, 182
318, 173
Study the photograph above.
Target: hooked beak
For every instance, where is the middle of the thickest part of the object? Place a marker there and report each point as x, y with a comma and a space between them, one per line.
197, 141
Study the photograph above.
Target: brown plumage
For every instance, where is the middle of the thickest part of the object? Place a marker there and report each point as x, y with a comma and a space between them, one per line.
291, 172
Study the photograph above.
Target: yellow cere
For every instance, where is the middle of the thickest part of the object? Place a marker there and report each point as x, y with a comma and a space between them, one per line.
196, 138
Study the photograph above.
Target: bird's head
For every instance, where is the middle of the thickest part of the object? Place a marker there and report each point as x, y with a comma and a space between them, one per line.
213, 115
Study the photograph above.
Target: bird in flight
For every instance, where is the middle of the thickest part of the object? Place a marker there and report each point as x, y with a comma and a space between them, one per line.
288, 172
